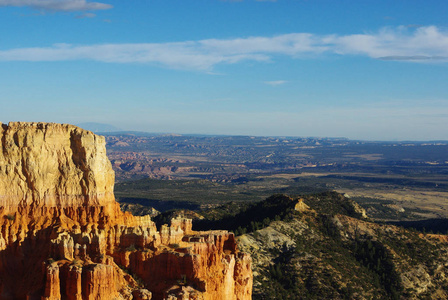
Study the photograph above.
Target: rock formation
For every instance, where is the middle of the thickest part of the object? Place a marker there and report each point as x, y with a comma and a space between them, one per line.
63, 235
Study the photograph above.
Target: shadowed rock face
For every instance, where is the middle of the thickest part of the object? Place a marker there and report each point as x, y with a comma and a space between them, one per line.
63, 236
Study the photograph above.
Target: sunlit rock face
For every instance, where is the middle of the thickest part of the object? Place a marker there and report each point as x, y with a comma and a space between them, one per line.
63, 235
53, 165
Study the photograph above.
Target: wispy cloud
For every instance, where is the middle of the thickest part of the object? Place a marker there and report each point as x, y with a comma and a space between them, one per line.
184, 55
57, 5
423, 44
276, 82
415, 58
86, 15
400, 42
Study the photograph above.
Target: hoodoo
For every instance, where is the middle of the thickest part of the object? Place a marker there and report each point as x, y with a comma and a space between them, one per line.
63, 235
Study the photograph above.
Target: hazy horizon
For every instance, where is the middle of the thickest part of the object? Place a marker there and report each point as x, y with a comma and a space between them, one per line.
91, 125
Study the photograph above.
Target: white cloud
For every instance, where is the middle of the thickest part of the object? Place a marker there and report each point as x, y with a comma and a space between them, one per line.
276, 82
86, 15
400, 43
57, 5
185, 55
421, 44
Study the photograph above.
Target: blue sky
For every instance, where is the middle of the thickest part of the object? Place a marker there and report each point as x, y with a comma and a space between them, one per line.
371, 70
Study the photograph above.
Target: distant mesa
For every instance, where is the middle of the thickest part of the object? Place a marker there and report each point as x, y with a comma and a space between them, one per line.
171, 134
98, 127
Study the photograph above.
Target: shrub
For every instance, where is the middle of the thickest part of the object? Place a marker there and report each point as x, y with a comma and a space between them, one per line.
77, 262
10, 217
131, 248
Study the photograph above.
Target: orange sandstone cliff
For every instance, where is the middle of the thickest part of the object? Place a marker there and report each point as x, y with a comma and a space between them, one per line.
63, 235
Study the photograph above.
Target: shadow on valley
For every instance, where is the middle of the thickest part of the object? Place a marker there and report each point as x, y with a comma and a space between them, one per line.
393, 181
437, 226
160, 205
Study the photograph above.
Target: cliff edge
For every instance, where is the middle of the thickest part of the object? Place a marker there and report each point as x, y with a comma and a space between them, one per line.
63, 235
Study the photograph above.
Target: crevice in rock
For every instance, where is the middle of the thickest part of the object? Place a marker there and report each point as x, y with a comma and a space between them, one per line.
79, 158
15, 137
5, 130
28, 179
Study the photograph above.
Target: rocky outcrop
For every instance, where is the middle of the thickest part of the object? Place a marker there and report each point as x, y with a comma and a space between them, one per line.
63, 236
301, 206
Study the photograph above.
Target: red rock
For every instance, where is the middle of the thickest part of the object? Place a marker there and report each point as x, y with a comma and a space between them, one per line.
57, 204
142, 294
52, 283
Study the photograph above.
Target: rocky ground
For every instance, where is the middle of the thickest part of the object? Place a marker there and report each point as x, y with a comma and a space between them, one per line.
325, 246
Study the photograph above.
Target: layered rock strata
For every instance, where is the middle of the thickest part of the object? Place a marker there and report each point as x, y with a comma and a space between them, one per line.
63, 235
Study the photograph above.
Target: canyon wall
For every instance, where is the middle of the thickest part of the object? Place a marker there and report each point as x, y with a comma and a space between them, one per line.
63, 235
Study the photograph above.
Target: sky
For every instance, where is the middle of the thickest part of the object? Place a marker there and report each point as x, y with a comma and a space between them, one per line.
360, 69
